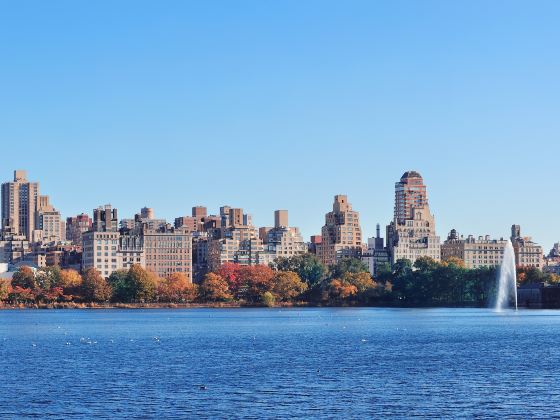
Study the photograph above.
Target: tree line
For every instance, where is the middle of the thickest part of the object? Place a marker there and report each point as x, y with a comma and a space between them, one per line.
301, 279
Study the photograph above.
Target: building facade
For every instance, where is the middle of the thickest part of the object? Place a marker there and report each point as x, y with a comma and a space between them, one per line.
167, 251
474, 252
19, 204
48, 222
376, 255
341, 236
412, 233
527, 252
76, 226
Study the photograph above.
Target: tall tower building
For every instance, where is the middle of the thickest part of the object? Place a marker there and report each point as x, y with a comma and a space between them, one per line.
19, 203
412, 233
341, 234
410, 193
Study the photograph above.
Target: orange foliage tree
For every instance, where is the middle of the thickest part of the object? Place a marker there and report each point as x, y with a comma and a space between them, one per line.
287, 285
254, 281
340, 290
214, 289
177, 288
95, 288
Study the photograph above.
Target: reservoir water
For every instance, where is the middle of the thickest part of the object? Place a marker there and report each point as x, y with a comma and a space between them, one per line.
278, 363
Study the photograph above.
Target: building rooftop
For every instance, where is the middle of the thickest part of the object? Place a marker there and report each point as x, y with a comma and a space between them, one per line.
410, 174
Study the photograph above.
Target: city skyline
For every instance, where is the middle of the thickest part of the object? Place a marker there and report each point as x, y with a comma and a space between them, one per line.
426, 198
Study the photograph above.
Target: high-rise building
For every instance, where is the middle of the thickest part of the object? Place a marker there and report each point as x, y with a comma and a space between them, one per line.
282, 240
168, 251
105, 219
100, 251
236, 241
100, 245
376, 255
341, 234
199, 213
157, 247
527, 252
186, 222
19, 204
76, 226
475, 252
412, 233
410, 193
48, 223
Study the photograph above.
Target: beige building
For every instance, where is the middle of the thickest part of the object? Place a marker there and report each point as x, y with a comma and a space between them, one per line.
14, 248
236, 241
48, 222
282, 240
341, 234
160, 249
527, 252
168, 251
412, 233
100, 250
19, 204
475, 252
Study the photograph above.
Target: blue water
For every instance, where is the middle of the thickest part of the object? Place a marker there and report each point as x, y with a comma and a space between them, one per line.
265, 363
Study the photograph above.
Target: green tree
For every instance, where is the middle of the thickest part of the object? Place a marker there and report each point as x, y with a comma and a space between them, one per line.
348, 265
24, 278
268, 299
143, 282
124, 290
48, 277
307, 266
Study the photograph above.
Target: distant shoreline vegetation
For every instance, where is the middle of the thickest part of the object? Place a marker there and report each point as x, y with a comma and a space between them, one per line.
298, 281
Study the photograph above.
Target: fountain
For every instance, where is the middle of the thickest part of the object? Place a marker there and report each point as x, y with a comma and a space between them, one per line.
507, 283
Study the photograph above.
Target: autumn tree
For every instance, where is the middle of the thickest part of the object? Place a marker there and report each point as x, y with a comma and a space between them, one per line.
287, 285
190, 292
95, 287
456, 261
24, 278
70, 281
230, 272
340, 290
254, 280
5, 289
361, 280
214, 289
177, 288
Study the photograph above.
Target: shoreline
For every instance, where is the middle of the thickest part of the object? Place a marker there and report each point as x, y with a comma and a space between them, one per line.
216, 305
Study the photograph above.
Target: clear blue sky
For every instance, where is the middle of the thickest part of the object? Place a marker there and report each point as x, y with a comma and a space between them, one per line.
267, 105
